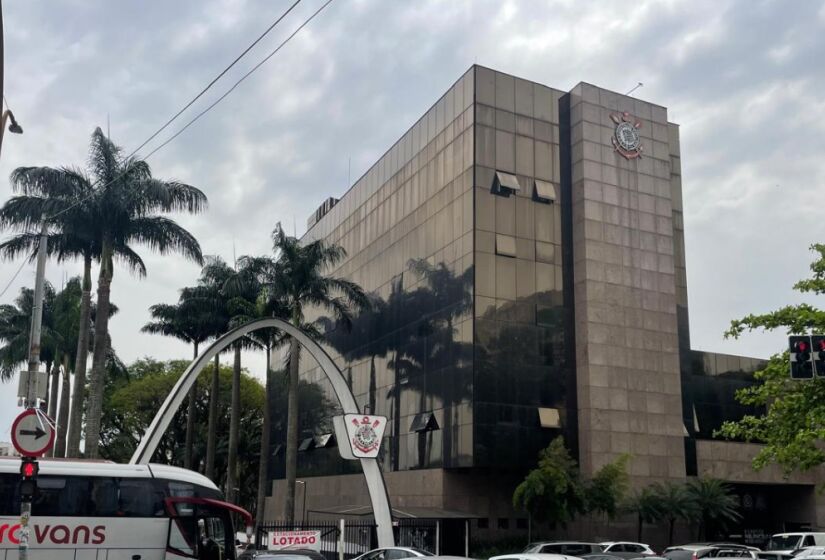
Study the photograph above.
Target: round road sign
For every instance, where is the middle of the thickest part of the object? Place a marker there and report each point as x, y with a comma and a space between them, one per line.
31, 435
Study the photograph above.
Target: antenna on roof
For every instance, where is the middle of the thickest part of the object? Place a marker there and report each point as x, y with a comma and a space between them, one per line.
637, 86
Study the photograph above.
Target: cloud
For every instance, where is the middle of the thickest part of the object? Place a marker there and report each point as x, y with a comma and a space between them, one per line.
743, 80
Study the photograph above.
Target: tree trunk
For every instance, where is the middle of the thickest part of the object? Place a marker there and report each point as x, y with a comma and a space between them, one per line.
292, 430
263, 466
188, 461
639, 529
97, 379
63, 411
670, 532
211, 436
76, 413
54, 387
234, 427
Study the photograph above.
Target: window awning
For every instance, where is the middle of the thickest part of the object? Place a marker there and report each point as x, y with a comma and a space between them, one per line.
506, 181
306, 444
324, 440
549, 417
545, 192
424, 422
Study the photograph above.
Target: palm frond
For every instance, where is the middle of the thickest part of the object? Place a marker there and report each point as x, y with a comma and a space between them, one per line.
164, 236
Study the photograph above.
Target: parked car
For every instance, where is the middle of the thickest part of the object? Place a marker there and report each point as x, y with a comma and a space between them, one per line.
287, 554
809, 552
627, 549
695, 551
394, 553
569, 548
532, 556
784, 545
601, 556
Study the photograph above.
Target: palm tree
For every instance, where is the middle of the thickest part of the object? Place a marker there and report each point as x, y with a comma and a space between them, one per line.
254, 273
214, 275
126, 205
645, 505
67, 315
675, 504
15, 321
97, 223
715, 504
54, 193
296, 283
190, 321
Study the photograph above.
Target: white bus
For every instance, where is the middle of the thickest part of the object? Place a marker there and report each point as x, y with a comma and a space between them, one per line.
97, 510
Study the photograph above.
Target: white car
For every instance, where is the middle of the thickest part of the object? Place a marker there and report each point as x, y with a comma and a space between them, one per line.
394, 553
784, 545
563, 548
627, 549
533, 556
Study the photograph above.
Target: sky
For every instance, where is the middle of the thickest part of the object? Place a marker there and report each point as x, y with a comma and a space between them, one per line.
744, 81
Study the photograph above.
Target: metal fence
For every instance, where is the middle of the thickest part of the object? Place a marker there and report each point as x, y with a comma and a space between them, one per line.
358, 536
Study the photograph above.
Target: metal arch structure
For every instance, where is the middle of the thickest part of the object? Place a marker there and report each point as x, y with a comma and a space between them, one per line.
372, 471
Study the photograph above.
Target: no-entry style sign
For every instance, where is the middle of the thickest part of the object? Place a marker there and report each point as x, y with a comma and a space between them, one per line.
31, 434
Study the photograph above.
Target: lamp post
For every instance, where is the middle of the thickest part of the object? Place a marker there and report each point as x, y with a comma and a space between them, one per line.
304, 501
14, 127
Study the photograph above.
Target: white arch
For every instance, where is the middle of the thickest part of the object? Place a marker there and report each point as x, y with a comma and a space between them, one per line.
372, 471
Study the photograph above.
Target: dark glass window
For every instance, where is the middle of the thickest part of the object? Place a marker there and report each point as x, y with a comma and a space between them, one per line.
483, 523
503, 523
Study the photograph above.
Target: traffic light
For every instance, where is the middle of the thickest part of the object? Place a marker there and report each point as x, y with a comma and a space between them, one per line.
801, 364
818, 354
28, 478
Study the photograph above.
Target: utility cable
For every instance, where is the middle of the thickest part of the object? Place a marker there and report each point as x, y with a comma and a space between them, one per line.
218, 77
16, 274
244, 77
84, 199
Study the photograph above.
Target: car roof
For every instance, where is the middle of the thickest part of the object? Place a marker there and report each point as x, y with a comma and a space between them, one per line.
542, 543
534, 556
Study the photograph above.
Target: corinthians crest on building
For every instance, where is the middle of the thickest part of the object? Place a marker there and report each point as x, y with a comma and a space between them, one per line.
626, 139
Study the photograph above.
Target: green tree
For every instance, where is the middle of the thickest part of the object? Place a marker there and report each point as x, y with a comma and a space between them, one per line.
675, 504
102, 219
553, 491
210, 290
606, 490
53, 194
295, 285
67, 315
132, 401
645, 505
793, 425
716, 505
189, 320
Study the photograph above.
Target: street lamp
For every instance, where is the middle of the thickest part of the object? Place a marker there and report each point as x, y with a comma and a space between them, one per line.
14, 127
304, 501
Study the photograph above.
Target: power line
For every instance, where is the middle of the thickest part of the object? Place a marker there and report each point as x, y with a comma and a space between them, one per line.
218, 77
244, 77
16, 274
84, 199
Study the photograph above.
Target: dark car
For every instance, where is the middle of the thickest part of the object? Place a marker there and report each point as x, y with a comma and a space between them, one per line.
698, 551
288, 554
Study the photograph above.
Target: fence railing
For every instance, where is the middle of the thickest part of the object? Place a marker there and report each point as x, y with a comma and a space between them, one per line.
346, 539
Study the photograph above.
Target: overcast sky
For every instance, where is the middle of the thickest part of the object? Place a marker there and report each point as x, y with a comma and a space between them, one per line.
743, 79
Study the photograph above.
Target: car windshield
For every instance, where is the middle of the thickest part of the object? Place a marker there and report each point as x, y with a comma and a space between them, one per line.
422, 552
783, 542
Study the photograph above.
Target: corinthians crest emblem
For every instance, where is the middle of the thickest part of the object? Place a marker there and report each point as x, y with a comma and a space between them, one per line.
366, 438
626, 138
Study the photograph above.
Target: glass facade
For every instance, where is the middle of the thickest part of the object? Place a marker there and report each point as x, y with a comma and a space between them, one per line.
407, 228
461, 233
519, 354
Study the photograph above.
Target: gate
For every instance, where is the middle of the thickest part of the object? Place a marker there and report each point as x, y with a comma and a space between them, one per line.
423, 534
358, 537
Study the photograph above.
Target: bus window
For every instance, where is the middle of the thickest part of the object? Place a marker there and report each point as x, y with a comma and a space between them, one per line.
9, 498
200, 531
62, 496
